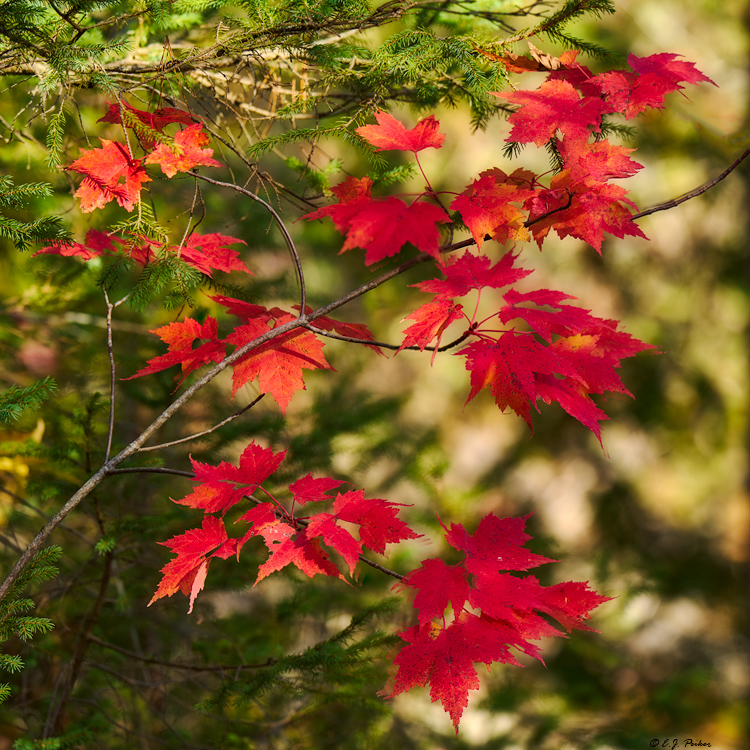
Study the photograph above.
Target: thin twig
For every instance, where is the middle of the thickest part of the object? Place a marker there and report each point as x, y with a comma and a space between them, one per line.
152, 470
381, 344
113, 380
282, 226
205, 432
174, 665
693, 193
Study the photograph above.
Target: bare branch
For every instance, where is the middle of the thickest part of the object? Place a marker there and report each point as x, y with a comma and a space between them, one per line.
693, 193
205, 432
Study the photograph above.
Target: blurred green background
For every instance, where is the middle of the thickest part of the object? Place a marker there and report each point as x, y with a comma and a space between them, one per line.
660, 520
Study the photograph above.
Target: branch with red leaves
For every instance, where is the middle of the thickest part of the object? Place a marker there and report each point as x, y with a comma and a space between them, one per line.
535, 347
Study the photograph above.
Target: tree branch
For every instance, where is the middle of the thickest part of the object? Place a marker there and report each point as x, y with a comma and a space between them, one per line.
693, 193
109, 467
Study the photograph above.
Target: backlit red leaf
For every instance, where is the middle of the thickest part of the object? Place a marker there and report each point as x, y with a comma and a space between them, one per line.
556, 105
390, 135
188, 151
278, 364
111, 174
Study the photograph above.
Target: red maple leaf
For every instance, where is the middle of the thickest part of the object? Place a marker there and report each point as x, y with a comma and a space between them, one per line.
377, 519
187, 151
325, 526
563, 321
277, 364
180, 338
445, 658
69, 249
246, 310
497, 544
383, 227
156, 120
209, 251
194, 549
469, 272
310, 490
486, 206
582, 208
111, 174
290, 546
431, 321
509, 367
598, 161
223, 486
437, 584
390, 135
555, 106
444, 653
353, 195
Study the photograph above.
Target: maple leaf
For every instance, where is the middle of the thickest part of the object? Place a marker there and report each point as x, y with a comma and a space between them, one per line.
156, 120
325, 526
187, 152
390, 135
194, 550
69, 249
497, 544
277, 364
289, 546
223, 486
583, 208
598, 161
486, 206
180, 338
469, 272
565, 320
209, 251
309, 490
446, 659
246, 310
431, 321
383, 227
438, 584
555, 106
111, 174
353, 195
377, 519
509, 367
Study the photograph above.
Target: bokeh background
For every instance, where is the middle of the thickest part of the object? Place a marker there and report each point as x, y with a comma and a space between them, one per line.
659, 519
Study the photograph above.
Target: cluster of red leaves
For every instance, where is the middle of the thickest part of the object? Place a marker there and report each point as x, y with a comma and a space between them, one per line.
277, 364
290, 539
504, 610
113, 173
565, 355
207, 253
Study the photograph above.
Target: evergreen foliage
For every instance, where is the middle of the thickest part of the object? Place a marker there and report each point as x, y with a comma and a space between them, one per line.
15, 620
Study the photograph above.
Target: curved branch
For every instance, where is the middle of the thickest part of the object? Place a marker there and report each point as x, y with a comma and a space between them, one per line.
287, 237
205, 432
